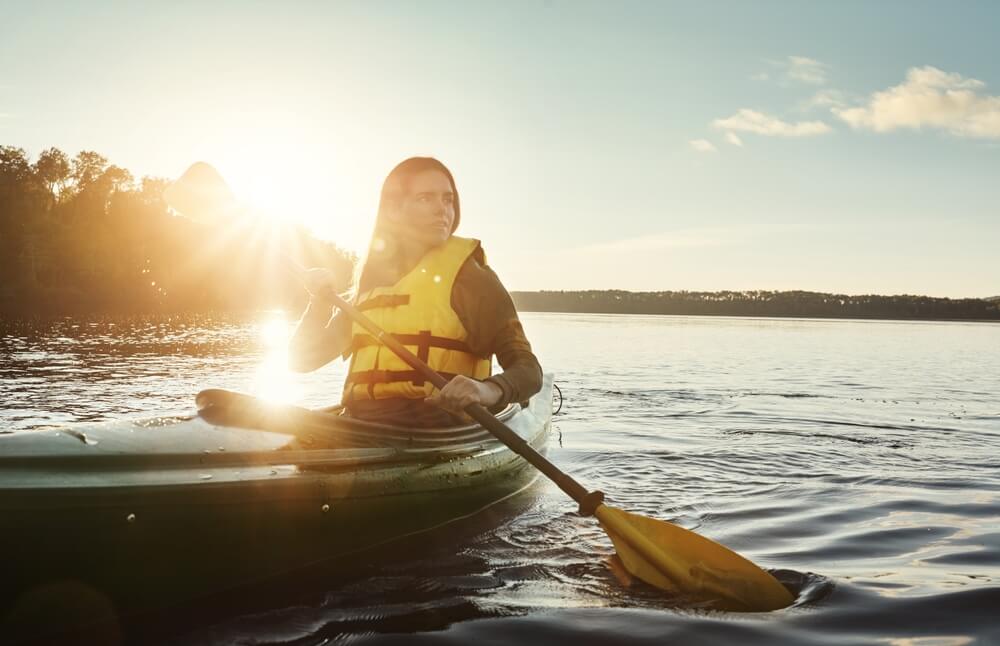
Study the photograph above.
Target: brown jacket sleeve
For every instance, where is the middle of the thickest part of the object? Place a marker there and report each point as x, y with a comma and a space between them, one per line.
488, 314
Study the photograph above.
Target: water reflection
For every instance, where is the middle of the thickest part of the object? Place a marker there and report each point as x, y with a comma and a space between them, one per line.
64, 370
272, 379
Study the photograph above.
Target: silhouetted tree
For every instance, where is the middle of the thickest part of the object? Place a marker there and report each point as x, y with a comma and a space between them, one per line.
87, 167
83, 235
53, 170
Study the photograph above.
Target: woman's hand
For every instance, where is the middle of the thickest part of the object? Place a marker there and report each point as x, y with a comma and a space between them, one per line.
463, 391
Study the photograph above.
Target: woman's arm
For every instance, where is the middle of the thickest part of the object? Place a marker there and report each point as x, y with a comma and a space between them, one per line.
522, 374
319, 338
488, 313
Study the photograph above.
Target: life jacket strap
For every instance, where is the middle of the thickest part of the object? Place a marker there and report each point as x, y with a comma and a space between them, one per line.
383, 300
422, 340
372, 377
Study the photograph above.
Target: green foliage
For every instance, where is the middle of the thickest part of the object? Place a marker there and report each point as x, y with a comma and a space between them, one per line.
759, 303
84, 236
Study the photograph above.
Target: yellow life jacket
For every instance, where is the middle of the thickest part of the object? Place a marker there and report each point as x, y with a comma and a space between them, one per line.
417, 312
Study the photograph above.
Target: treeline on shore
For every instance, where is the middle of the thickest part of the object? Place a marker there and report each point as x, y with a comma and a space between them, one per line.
759, 303
83, 235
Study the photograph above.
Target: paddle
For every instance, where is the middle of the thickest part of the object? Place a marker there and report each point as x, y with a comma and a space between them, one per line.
662, 554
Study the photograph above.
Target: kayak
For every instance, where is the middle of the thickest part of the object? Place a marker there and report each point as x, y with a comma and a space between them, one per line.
178, 507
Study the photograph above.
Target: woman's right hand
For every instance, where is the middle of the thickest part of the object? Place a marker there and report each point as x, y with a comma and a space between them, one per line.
319, 281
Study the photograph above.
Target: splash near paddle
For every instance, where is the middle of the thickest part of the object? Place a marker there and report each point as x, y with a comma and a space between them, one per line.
678, 560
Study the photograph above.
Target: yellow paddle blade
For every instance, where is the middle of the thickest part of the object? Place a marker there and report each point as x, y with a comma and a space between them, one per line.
676, 559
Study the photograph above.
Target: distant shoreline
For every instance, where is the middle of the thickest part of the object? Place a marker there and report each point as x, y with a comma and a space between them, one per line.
50, 303
768, 317
8, 318
761, 304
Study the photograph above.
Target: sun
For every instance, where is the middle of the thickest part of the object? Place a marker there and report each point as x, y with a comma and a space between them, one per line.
273, 186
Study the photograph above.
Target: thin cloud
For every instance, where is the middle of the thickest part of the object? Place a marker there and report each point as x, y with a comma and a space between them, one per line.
747, 120
703, 146
733, 139
825, 98
930, 98
806, 70
796, 69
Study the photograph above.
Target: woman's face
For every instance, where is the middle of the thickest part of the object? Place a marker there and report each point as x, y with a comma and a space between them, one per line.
427, 211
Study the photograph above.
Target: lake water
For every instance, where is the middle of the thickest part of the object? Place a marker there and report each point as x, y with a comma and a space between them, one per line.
860, 460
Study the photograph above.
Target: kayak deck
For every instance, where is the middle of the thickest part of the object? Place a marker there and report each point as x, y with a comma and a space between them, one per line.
197, 506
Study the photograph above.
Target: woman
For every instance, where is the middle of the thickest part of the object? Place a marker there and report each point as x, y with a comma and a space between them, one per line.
436, 294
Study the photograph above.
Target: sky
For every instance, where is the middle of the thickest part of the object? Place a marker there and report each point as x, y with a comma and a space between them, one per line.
848, 147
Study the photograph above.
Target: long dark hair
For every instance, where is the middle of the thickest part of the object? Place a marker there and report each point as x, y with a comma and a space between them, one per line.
384, 242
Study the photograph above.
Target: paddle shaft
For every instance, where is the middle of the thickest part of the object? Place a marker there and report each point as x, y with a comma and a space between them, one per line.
587, 500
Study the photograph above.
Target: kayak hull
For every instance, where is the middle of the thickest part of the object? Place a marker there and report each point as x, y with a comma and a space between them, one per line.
151, 512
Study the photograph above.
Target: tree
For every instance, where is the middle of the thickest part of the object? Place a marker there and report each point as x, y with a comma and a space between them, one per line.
116, 179
88, 167
14, 168
151, 190
53, 170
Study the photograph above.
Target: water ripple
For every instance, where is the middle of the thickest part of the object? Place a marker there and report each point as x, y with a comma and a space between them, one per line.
857, 460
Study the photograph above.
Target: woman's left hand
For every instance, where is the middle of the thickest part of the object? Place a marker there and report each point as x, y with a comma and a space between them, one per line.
463, 391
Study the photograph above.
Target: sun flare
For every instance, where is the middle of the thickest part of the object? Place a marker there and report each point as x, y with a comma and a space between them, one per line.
302, 191
273, 381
